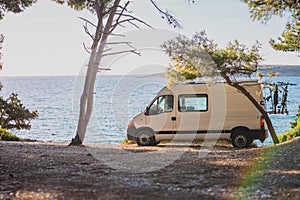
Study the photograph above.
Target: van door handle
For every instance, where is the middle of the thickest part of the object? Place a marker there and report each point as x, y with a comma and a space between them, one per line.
173, 118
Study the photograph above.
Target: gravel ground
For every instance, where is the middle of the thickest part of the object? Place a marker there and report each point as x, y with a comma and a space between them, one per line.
171, 171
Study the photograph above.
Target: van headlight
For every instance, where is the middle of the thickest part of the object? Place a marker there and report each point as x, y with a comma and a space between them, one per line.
130, 123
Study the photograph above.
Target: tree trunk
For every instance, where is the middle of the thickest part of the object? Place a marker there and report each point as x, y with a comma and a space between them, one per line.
87, 98
256, 104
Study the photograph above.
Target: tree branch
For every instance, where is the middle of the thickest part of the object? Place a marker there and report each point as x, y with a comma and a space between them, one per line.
167, 15
128, 18
119, 17
87, 31
121, 52
86, 48
87, 21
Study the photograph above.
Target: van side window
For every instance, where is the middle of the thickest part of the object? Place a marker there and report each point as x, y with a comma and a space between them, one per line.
162, 104
193, 103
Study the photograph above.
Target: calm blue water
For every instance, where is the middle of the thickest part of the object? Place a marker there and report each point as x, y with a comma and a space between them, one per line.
117, 98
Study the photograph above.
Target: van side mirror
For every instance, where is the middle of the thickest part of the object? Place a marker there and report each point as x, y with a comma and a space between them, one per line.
147, 111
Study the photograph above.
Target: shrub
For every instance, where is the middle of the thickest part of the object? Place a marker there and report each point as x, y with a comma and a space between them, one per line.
288, 135
294, 132
295, 123
126, 141
7, 136
14, 115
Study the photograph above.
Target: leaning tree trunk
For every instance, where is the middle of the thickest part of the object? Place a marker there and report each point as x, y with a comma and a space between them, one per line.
87, 98
257, 105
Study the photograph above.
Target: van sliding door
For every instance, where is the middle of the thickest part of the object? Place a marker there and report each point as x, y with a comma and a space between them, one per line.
193, 117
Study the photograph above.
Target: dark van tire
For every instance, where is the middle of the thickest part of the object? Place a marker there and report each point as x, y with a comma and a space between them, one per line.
145, 138
241, 140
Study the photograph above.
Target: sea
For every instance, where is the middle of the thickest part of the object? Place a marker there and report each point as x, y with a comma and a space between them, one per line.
116, 100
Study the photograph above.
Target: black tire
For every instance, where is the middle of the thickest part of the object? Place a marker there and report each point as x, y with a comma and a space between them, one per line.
241, 140
145, 138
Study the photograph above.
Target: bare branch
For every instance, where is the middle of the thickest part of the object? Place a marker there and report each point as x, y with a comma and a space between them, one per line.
121, 43
119, 17
109, 43
121, 25
118, 35
133, 24
124, 7
86, 30
106, 50
103, 69
121, 52
87, 21
86, 48
167, 15
130, 19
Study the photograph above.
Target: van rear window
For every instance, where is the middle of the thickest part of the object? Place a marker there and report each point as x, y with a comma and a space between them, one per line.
193, 103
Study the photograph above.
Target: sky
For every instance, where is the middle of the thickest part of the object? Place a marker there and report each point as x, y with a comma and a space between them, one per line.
47, 39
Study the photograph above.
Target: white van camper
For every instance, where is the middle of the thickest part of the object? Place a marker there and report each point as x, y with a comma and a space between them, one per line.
187, 112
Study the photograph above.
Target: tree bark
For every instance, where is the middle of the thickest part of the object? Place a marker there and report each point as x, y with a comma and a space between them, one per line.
87, 97
256, 104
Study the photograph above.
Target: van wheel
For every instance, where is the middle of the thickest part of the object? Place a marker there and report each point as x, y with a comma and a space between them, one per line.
241, 140
145, 138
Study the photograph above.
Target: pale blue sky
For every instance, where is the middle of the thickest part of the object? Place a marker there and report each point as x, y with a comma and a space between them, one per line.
47, 38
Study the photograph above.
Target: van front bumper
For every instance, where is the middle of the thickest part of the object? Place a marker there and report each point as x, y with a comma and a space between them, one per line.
131, 133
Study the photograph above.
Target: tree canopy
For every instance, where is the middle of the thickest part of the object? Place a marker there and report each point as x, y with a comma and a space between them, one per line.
90, 5
15, 6
289, 40
263, 10
201, 56
14, 115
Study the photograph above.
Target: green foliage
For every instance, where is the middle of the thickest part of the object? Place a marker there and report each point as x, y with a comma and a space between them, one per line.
201, 57
293, 132
289, 134
289, 40
263, 10
14, 115
126, 141
90, 5
189, 59
297, 121
15, 6
75, 4
7, 136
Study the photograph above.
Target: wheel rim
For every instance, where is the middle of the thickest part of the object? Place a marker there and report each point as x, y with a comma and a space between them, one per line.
144, 138
240, 140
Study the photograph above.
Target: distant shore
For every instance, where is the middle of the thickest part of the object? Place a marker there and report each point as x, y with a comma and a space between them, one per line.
283, 70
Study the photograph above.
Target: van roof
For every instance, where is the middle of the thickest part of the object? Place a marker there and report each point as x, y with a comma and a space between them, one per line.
254, 81
179, 86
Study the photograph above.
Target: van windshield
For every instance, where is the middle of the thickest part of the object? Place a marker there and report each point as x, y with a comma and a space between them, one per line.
162, 104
